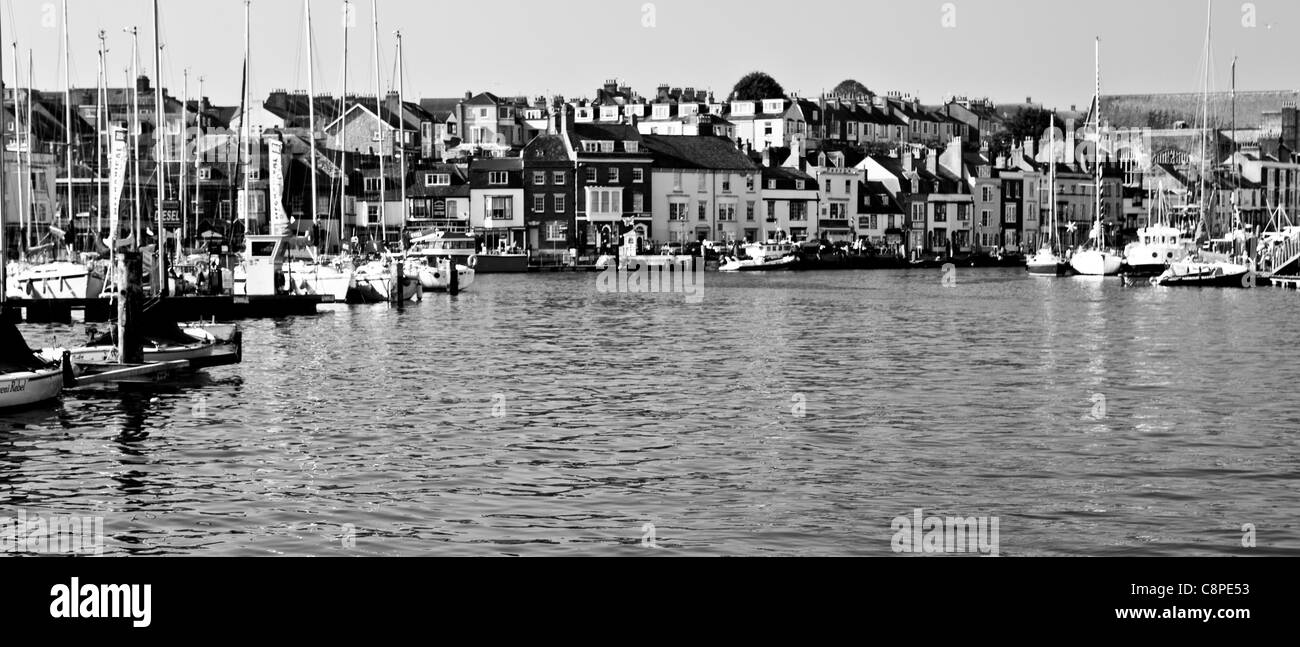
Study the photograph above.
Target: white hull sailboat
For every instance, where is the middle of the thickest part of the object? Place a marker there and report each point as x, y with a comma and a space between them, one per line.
61, 280
1092, 259
1096, 262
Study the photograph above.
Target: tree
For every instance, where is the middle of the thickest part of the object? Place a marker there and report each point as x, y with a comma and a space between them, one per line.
851, 88
757, 86
1029, 121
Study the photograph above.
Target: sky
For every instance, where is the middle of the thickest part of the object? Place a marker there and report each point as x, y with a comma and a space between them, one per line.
1003, 49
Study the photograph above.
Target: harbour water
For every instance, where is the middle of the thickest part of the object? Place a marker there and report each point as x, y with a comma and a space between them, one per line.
786, 414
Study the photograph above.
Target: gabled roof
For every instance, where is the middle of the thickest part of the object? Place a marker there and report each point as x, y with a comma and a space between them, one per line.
604, 131
440, 109
483, 99
546, 148
786, 177
697, 152
874, 198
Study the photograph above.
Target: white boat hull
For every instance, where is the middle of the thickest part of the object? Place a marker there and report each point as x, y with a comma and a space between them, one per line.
57, 281
436, 279
755, 265
30, 387
1096, 263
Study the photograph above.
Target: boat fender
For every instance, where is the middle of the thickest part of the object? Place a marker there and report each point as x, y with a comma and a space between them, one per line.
473, 261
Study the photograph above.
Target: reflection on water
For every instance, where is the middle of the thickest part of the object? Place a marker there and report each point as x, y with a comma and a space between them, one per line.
789, 414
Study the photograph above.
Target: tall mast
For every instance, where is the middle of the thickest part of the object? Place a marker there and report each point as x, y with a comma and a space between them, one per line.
311, 120
19, 136
379, 119
67, 106
1205, 119
343, 109
199, 140
401, 120
135, 131
247, 134
183, 140
4, 251
101, 130
27, 179
160, 152
1051, 176
1097, 161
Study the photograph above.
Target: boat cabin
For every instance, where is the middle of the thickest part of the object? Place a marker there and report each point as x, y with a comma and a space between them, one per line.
265, 260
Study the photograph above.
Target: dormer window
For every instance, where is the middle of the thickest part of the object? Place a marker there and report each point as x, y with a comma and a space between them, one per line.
632, 147
607, 147
798, 185
773, 106
437, 179
661, 112
497, 177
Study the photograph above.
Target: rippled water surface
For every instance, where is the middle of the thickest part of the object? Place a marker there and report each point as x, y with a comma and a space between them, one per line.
788, 414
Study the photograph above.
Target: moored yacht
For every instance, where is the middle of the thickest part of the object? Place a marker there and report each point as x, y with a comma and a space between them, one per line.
769, 255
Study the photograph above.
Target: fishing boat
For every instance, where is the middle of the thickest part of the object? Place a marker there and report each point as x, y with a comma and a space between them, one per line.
770, 255
1156, 247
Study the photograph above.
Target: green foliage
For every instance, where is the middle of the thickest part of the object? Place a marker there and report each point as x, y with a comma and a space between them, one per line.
757, 86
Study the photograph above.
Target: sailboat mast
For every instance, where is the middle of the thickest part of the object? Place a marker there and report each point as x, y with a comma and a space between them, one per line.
1205, 120
311, 120
27, 180
183, 197
135, 132
18, 150
101, 134
1051, 177
343, 110
247, 133
401, 120
67, 106
4, 250
160, 152
1097, 160
379, 119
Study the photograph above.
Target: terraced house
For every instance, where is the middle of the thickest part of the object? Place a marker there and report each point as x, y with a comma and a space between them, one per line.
612, 184
549, 191
703, 189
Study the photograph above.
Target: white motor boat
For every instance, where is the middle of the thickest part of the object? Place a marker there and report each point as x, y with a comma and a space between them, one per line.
770, 255
434, 275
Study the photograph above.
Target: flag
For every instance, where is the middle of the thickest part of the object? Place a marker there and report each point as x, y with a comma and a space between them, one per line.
279, 220
116, 179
